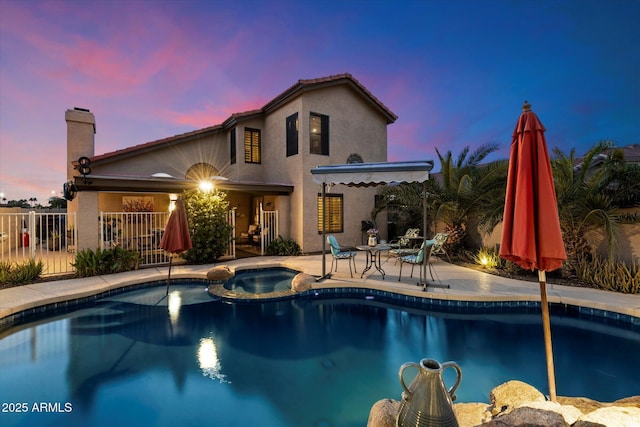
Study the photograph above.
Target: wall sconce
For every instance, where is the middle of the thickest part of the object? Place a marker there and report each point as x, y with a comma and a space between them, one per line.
172, 201
206, 186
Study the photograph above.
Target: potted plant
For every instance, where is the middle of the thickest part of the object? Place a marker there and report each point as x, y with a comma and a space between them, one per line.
373, 236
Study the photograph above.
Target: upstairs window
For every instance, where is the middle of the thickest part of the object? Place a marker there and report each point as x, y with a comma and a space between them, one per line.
292, 135
232, 146
333, 212
319, 134
251, 145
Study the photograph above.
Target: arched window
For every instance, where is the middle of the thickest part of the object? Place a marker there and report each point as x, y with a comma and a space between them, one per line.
201, 171
354, 158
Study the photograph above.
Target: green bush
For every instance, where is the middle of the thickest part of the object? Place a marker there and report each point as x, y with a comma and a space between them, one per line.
20, 274
283, 247
210, 231
105, 261
609, 275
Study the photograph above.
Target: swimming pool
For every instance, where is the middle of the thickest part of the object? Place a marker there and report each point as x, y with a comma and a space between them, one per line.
259, 281
138, 358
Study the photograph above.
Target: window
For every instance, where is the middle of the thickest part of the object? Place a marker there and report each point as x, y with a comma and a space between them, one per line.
251, 145
232, 146
319, 134
333, 213
292, 135
201, 172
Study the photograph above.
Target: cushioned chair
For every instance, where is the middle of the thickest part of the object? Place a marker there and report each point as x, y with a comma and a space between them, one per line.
438, 245
338, 252
418, 259
258, 237
248, 236
403, 246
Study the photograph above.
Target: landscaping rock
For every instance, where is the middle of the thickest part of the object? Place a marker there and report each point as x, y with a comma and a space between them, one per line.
512, 394
471, 414
384, 413
528, 417
521, 405
618, 416
302, 282
570, 413
221, 272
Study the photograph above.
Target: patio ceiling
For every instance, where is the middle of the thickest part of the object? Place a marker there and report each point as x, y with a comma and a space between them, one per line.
171, 185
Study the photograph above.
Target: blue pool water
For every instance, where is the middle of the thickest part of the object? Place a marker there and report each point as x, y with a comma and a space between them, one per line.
138, 358
261, 281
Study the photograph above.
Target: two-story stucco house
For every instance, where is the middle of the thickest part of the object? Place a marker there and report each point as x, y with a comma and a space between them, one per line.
261, 158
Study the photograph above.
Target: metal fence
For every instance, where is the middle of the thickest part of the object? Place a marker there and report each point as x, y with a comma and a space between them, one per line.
138, 231
269, 228
47, 237
51, 237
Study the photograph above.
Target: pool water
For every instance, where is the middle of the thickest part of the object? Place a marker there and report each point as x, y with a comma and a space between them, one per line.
261, 281
139, 358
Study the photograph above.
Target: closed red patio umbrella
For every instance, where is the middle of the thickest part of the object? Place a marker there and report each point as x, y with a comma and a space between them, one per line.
531, 235
176, 237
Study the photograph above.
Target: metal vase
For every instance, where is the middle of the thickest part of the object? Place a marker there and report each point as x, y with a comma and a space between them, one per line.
427, 402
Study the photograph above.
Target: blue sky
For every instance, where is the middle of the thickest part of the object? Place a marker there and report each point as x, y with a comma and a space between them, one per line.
455, 72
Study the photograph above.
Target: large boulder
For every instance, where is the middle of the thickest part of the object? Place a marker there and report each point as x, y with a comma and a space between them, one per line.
618, 416
384, 413
570, 413
221, 272
302, 282
471, 414
528, 417
512, 394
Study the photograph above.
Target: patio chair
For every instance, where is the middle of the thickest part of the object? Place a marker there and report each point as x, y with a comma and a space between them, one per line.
418, 259
257, 238
247, 237
338, 252
403, 246
438, 246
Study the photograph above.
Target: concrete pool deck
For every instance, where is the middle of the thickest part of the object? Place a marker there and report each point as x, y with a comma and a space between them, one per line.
464, 284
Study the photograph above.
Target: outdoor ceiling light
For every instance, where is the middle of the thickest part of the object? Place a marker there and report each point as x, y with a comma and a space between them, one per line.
206, 186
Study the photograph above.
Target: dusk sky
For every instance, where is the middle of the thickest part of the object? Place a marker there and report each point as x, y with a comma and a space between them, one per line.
455, 72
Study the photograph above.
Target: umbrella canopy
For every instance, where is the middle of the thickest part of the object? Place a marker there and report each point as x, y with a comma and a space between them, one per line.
176, 237
531, 235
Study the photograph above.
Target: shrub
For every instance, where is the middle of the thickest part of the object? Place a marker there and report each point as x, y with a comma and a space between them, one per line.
283, 247
20, 274
609, 275
105, 261
488, 258
210, 230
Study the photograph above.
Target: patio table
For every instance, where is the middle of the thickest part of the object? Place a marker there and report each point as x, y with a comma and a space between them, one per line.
373, 257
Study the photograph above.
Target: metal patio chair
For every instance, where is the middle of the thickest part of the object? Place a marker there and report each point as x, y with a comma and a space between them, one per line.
338, 252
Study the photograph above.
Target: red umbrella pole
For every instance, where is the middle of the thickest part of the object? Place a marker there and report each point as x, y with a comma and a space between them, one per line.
546, 326
169, 275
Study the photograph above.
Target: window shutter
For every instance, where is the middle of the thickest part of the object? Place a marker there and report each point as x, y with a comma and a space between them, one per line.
324, 141
292, 135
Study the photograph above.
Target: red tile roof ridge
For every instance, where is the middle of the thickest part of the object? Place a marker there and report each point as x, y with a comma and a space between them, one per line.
301, 84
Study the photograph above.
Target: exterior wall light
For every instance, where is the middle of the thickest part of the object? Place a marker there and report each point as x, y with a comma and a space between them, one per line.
206, 186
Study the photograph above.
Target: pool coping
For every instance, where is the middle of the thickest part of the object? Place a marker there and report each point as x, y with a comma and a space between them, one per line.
26, 300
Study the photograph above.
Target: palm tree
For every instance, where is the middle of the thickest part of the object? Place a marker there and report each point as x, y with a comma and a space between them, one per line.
590, 197
468, 191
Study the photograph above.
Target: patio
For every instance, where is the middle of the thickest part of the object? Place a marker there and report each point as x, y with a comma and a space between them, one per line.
464, 285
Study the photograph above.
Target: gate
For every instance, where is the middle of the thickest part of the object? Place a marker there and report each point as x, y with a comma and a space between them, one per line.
48, 237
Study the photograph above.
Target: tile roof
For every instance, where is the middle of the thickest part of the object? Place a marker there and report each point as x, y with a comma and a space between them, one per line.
295, 90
